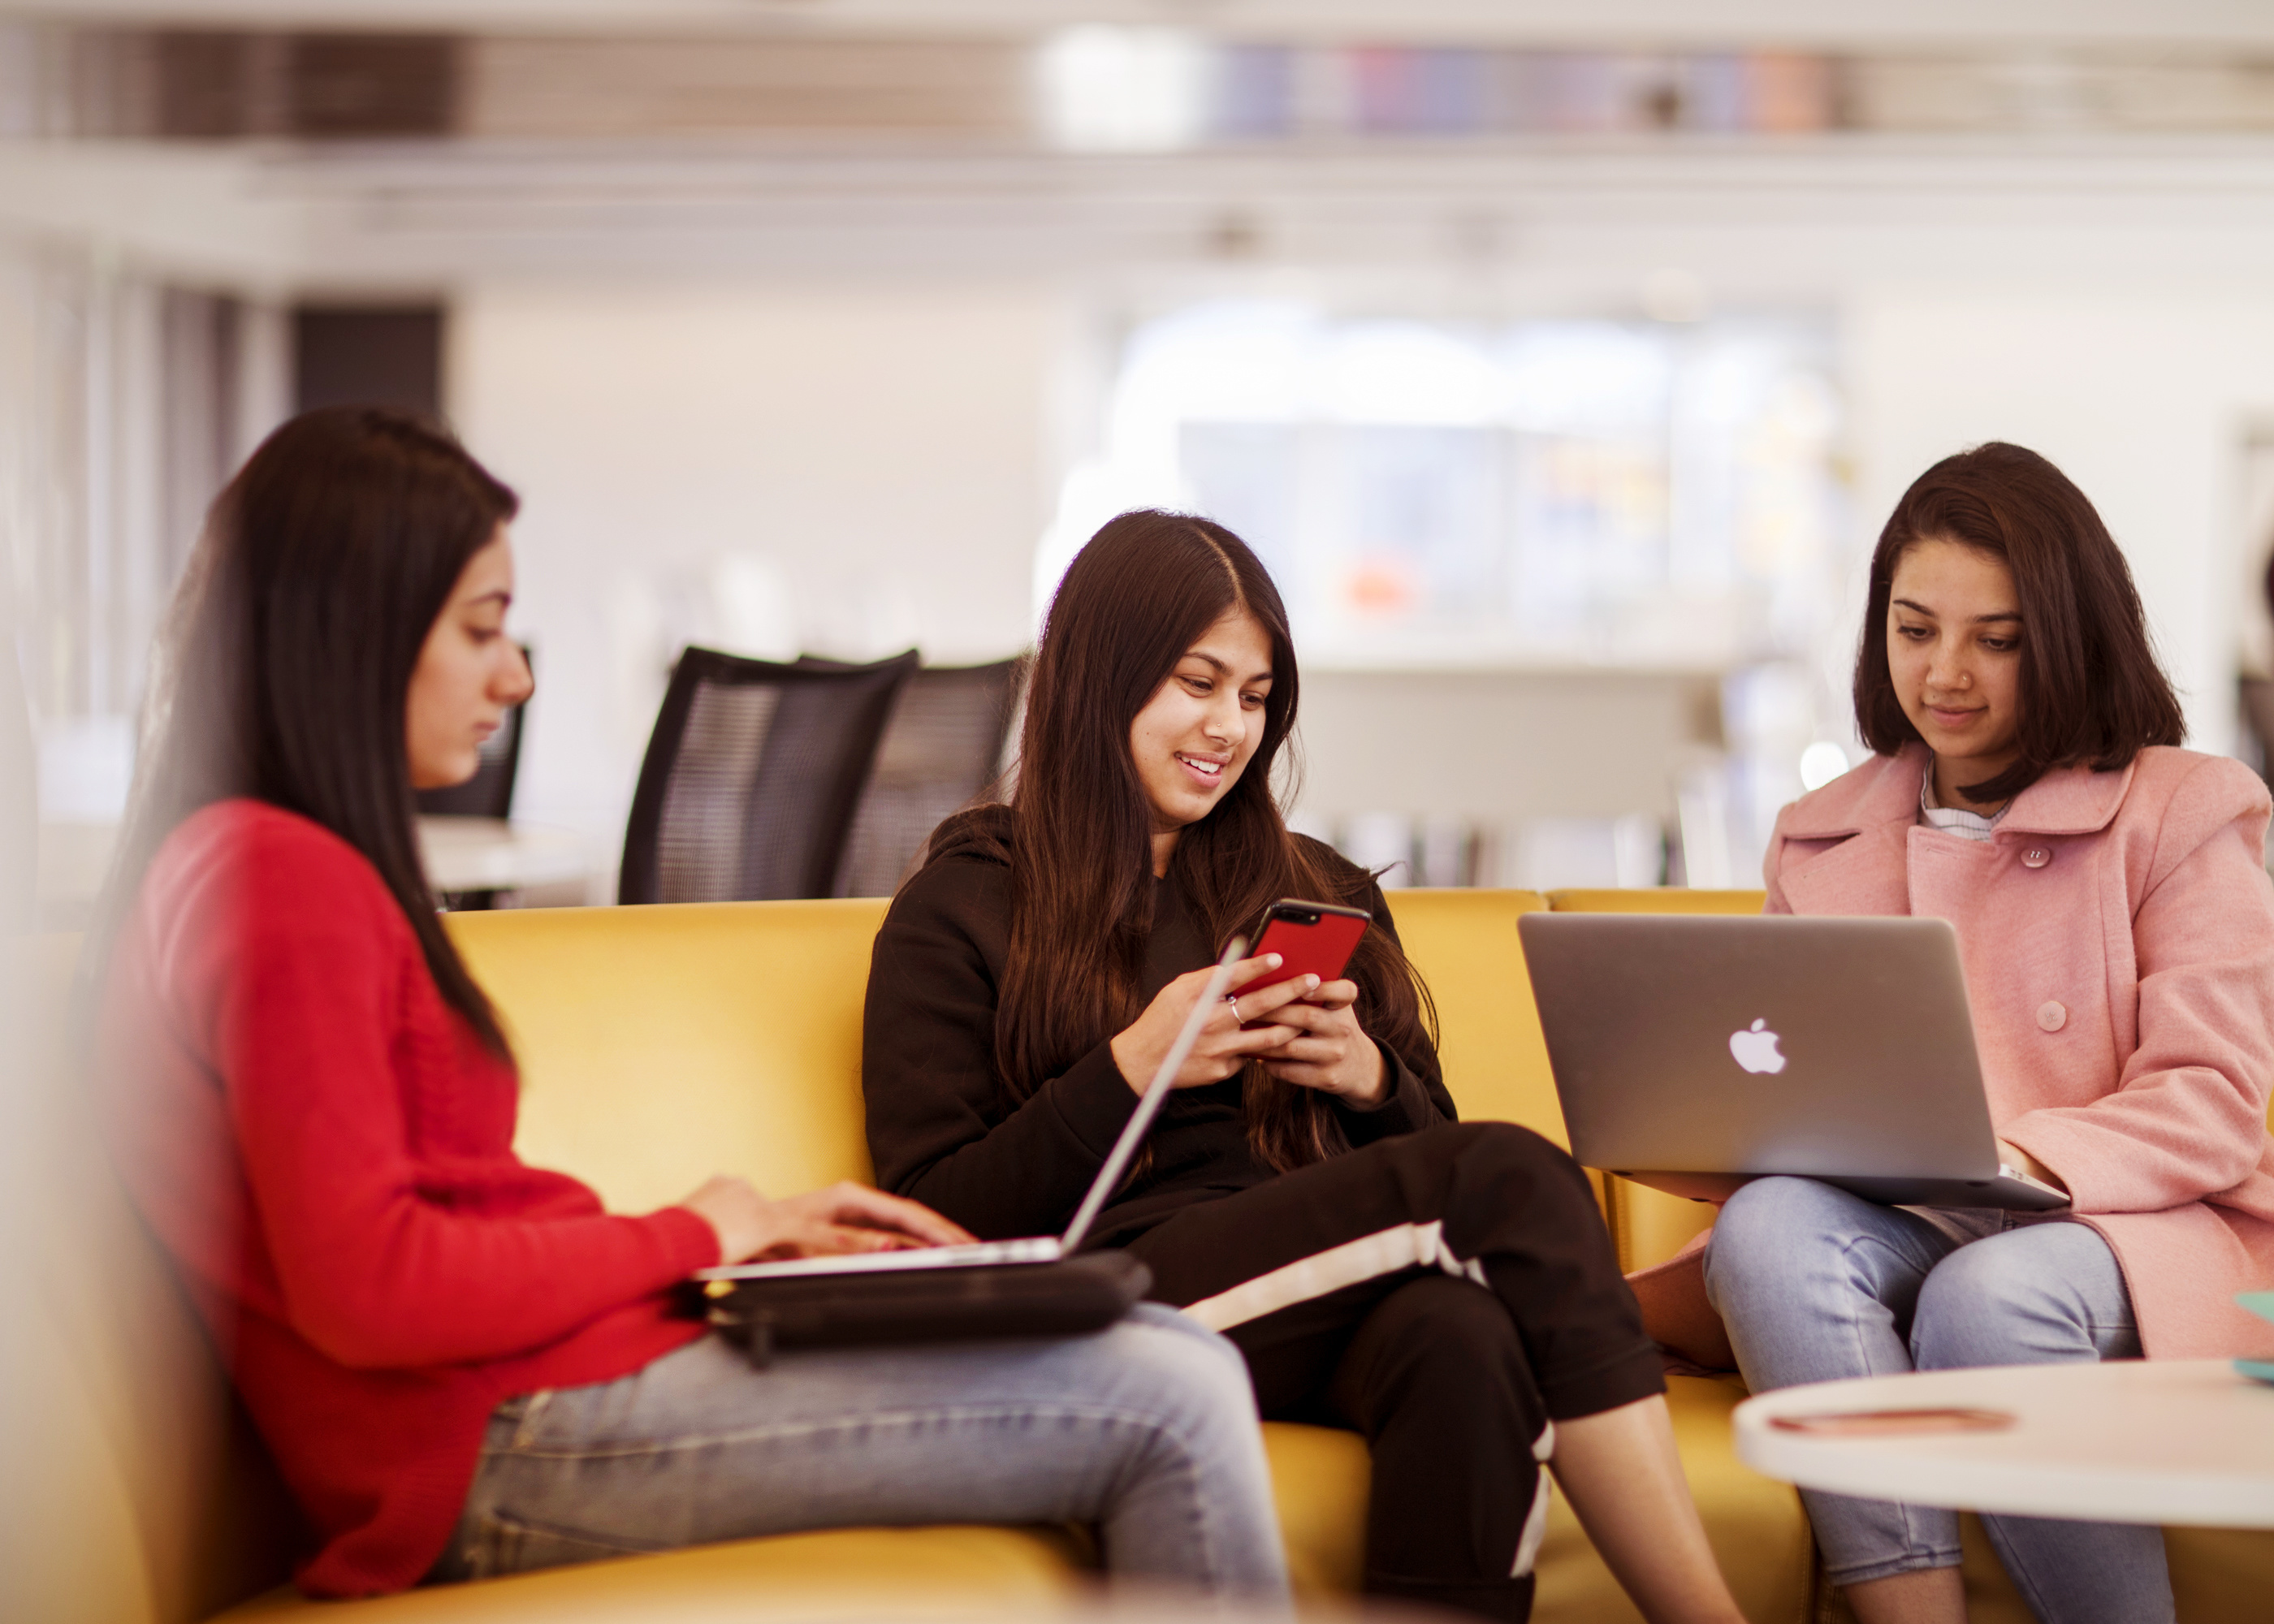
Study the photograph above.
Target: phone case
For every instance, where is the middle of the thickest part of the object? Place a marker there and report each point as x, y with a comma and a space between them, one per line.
1311, 939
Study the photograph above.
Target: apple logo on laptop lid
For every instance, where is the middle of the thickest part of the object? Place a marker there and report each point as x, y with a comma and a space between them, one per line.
1756, 1049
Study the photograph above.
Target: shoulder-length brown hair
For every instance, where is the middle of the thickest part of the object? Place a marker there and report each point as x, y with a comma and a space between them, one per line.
1134, 600
2091, 690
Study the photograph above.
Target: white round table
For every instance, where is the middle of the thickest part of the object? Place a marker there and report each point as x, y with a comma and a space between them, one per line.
2187, 1441
495, 854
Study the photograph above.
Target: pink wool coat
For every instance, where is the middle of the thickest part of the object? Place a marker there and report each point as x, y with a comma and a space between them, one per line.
2118, 937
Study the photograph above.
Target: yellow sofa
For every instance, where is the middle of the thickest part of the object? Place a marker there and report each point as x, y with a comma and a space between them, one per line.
658, 1044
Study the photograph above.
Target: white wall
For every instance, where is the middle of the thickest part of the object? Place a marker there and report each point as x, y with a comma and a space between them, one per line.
1495, 747
2143, 397
888, 454
881, 457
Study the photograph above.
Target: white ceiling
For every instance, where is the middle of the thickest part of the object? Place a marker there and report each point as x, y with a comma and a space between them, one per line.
1539, 228
1860, 23
1530, 221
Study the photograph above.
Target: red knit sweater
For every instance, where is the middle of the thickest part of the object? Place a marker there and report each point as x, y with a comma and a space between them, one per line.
325, 1149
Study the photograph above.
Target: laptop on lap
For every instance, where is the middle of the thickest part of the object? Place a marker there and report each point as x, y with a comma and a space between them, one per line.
1030, 1249
1693, 1053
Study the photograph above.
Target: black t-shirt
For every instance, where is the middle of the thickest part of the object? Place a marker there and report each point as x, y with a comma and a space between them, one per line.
942, 1127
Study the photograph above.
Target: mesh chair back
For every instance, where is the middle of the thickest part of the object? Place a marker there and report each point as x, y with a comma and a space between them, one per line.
942, 749
751, 778
489, 792
2258, 715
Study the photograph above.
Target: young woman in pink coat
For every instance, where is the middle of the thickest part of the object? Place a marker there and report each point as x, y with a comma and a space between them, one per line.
2117, 926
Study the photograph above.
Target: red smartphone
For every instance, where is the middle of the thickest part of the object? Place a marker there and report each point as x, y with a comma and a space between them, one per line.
1311, 939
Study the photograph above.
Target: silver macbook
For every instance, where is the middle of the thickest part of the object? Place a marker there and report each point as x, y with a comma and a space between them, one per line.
1695, 1052
1037, 1248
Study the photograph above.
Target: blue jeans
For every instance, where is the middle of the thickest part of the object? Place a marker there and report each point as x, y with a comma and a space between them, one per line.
1816, 1284
1147, 1429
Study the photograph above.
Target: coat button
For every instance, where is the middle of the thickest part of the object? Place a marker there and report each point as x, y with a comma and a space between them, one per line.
2051, 1016
2036, 857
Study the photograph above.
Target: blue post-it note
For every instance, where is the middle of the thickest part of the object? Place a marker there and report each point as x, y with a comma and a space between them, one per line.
2261, 1303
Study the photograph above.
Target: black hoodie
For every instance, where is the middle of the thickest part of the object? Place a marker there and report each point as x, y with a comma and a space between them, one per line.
942, 1127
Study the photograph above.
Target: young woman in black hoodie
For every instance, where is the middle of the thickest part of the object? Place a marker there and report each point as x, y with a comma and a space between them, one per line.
1446, 1289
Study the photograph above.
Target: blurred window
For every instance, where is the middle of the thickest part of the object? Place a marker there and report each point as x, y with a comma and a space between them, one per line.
1636, 493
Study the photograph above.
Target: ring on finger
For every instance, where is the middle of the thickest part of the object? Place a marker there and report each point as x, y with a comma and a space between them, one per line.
1232, 999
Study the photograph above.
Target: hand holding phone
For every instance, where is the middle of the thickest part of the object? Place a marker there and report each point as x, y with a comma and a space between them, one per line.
1311, 939
1226, 1043
1328, 1050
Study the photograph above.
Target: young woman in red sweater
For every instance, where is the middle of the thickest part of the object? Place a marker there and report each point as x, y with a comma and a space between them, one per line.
464, 1365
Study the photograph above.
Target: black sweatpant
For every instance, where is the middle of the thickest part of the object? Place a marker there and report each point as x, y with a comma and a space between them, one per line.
1451, 1294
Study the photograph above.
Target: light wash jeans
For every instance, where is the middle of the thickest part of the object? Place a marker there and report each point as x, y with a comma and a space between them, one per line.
1816, 1284
1147, 1429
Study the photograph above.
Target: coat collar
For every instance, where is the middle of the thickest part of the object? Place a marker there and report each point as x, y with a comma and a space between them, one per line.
2068, 800
2071, 800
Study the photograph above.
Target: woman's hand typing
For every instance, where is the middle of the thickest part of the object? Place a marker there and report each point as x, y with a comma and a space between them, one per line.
1328, 1050
1224, 1045
844, 1217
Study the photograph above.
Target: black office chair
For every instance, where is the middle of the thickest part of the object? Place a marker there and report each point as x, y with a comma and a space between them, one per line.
2256, 694
941, 750
752, 775
488, 793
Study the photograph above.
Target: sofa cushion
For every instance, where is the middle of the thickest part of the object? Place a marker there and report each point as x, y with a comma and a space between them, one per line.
1464, 943
897, 1573
659, 1045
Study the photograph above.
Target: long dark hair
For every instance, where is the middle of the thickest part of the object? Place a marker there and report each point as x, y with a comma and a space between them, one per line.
2091, 690
285, 661
1135, 600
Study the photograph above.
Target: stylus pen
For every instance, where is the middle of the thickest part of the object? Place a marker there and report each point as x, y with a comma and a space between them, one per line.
1156, 1092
